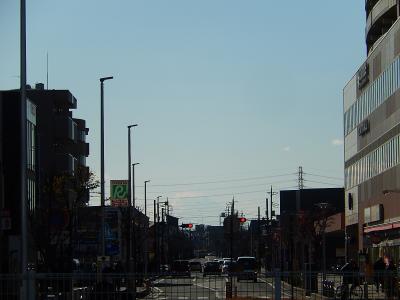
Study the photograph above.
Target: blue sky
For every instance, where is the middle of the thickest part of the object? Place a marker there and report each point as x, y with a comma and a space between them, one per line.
235, 91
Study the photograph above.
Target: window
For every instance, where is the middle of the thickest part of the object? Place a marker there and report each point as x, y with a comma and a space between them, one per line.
378, 91
381, 159
350, 201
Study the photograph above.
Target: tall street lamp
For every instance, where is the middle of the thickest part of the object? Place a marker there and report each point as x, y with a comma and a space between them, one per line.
146, 257
128, 238
23, 153
102, 183
134, 217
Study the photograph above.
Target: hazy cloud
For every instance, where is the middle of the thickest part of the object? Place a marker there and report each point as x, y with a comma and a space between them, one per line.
337, 142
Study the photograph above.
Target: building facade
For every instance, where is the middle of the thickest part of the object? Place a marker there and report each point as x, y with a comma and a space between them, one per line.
371, 104
56, 163
305, 216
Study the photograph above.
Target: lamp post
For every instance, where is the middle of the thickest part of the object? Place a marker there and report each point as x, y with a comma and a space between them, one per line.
23, 153
146, 255
134, 217
128, 237
102, 183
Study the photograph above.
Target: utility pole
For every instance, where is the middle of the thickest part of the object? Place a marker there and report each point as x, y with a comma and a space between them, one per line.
155, 234
272, 194
258, 237
162, 235
157, 237
231, 231
300, 178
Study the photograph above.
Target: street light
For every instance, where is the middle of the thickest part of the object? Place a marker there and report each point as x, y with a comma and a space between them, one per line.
133, 217
128, 238
102, 181
145, 240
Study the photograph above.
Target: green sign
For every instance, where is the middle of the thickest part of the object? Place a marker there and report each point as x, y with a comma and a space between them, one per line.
119, 192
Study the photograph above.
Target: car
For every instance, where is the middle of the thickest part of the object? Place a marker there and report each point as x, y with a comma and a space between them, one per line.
211, 268
195, 266
246, 267
180, 268
228, 267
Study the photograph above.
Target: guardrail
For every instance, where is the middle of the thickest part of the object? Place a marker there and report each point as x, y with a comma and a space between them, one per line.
246, 285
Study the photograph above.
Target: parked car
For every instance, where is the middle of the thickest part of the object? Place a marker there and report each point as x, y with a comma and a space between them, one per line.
195, 266
180, 268
246, 268
211, 268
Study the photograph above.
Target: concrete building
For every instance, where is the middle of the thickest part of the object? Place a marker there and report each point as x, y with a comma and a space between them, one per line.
56, 156
371, 104
300, 235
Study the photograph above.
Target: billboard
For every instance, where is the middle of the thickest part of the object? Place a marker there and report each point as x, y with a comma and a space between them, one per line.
119, 192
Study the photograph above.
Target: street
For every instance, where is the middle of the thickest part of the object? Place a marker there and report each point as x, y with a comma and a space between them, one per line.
209, 287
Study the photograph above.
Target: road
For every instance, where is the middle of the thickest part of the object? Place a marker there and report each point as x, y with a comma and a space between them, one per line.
210, 287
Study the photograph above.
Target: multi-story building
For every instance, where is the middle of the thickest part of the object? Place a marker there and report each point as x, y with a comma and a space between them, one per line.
56, 150
305, 216
371, 103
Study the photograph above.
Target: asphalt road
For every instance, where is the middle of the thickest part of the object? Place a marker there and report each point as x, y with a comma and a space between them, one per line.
209, 287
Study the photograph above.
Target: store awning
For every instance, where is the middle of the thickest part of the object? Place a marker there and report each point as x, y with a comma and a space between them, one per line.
381, 227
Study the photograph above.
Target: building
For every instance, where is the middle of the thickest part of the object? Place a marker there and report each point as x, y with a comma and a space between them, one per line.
371, 105
56, 174
305, 216
87, 241
215, 240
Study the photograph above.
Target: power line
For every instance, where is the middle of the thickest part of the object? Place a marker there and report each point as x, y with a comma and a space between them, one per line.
227, 188
222, 181
313, 181
323, 176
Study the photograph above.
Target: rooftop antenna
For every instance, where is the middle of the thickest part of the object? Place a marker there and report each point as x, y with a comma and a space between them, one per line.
47, 70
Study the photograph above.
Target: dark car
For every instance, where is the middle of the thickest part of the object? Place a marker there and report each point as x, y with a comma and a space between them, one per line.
195, 266
180, 268
246, 268
211, 268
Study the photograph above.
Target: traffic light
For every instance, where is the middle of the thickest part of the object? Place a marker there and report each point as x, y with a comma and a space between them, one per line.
242, 220
190, 225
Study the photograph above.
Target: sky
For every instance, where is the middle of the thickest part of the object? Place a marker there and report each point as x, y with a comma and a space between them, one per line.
231, 97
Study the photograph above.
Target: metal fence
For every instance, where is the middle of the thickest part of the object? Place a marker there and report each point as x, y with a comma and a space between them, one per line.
269, 285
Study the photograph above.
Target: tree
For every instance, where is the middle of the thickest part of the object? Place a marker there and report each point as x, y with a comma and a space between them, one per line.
53, 224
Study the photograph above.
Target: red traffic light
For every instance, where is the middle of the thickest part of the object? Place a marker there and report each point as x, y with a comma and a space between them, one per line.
187, 225
242, 220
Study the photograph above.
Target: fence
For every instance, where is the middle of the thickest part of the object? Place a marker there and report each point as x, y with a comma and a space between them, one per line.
244, 286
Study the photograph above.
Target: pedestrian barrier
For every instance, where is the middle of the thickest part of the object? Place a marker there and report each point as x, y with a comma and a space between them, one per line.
268, 285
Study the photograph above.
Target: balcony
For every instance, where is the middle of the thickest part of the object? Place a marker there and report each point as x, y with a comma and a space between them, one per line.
65, 164
380, 19
65, 128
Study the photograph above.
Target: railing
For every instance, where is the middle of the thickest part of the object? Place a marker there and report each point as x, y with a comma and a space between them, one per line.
248, 285
377, 11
